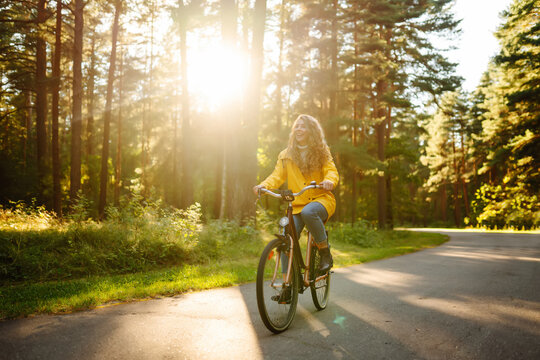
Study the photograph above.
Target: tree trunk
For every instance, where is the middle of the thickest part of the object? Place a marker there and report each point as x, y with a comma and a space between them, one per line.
457, 210
187, 173
334, 86
389, 208
381, 183
118, 162
41, 99
231, 115
76, 124
90, 101
57, 195
248, 173
175, 200
380, 130
444, 214
280, 74
27, 125
147, 106
218, 196
388, 128
354, 136
107, 115
388, 176
463, 171
465, 197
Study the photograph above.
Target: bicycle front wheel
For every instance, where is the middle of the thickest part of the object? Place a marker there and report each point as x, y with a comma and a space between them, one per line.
319, 282
276, 309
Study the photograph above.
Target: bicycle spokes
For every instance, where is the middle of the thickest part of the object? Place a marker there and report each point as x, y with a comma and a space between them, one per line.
276, 299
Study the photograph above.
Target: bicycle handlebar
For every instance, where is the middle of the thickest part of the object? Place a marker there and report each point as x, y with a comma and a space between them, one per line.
313, 185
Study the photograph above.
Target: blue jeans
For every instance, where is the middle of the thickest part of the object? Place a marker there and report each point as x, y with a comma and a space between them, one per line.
313, 216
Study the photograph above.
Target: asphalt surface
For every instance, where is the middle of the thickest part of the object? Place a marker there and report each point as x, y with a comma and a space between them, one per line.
475, 297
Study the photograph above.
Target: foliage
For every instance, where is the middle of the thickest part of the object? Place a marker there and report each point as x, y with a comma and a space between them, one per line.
226, 239
448, 140
20, 217
361, 234
137, 236
506, 138
498, 207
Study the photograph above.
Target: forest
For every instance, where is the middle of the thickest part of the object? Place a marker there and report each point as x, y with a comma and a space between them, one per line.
186, 102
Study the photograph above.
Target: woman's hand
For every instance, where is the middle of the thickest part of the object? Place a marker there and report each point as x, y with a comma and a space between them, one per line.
327, 185
256, 189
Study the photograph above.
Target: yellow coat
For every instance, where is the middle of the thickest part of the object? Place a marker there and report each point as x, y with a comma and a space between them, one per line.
286, 169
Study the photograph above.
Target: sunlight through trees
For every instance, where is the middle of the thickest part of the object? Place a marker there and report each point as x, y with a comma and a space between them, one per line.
191, 101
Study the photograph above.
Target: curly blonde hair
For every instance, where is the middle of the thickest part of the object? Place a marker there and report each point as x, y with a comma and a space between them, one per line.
318, 152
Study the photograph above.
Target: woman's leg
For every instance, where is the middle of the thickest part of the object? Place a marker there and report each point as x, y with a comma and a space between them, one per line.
314, 215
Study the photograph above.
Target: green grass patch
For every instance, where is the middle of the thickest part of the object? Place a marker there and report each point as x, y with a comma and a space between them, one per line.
67, 296
51, 267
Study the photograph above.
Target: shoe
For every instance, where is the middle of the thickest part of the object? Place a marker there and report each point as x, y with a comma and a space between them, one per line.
284, 297
326, 260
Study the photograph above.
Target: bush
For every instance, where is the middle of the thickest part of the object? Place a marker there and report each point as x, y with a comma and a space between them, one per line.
361, 234
496, 206
224, 239
136, 236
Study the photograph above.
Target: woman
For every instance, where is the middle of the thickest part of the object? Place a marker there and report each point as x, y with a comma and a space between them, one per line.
307, 158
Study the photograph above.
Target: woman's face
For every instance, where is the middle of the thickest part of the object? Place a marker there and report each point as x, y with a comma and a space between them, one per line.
300, 132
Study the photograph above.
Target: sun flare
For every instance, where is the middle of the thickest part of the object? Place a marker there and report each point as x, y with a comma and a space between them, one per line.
216, 76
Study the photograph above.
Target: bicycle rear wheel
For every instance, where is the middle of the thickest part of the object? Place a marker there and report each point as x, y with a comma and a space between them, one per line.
320, 289
276, 314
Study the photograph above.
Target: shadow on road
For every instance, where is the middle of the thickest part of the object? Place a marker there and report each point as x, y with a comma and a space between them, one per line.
463, 300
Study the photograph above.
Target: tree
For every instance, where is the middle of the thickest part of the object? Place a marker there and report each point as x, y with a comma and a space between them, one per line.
108, 110
76, 121
252, 105
507, 108
118, 162
41, 95
520, 84
186, 182
57, 192
398, 59
446, 151
230, 191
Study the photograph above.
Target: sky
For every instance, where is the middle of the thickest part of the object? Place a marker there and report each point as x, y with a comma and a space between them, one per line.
477, 44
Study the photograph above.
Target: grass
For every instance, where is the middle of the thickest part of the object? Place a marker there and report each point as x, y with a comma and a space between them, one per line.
67, 296
232, 266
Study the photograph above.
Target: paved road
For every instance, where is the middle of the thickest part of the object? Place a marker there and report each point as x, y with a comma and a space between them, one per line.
475, 297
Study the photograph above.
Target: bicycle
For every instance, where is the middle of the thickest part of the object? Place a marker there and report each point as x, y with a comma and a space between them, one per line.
277, 289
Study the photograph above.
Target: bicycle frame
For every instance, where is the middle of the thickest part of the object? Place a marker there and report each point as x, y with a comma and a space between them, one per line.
294, 244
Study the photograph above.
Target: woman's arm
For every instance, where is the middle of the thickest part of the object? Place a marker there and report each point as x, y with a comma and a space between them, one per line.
278, 176
331, 176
